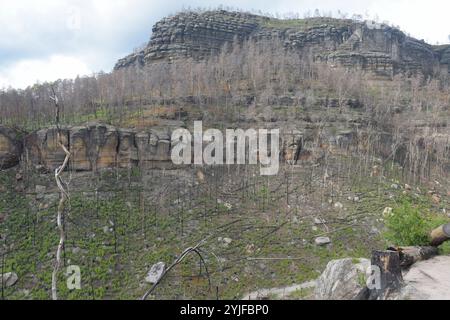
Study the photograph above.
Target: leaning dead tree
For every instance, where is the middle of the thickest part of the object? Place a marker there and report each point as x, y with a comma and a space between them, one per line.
63, 196
395, 259
196, 249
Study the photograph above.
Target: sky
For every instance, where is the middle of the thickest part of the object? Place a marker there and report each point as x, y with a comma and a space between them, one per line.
46, 40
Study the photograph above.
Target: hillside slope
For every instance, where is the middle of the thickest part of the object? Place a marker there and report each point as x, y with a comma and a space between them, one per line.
352, 147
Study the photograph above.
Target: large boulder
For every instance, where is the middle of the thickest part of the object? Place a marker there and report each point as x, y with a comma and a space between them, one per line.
10, 148
156, 272
9, 279
342, 279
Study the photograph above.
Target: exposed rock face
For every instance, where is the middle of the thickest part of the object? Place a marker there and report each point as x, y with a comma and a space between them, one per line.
193, 35
10, 148
93, 147
366, 45
97, 146
426, 280
342, 279
42, 147
444, 57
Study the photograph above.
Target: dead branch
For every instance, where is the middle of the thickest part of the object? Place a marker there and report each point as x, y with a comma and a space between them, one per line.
184, 254
411, 255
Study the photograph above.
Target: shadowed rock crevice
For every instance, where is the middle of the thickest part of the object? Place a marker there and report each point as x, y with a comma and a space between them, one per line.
10, 148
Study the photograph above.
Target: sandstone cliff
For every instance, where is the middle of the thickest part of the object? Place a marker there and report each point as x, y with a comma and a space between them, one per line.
97, 146
366, 45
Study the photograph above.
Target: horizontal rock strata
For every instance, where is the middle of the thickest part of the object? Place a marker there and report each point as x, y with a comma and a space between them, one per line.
370, 46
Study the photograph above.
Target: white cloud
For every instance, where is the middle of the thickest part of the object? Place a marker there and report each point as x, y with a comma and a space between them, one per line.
28, 72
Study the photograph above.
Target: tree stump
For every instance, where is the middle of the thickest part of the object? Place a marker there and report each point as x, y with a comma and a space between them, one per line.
388, 274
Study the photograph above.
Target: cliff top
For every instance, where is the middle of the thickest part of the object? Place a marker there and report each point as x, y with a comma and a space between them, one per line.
380, 48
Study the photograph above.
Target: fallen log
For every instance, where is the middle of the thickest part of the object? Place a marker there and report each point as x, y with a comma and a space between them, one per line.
440, 235
410, 255
389, 264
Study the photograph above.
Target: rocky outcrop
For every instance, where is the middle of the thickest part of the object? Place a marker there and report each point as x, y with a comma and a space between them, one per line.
443, 53
93, 147
342, 279
367, 45
10, 148
192, 34
426, 280
42, 148
97, 146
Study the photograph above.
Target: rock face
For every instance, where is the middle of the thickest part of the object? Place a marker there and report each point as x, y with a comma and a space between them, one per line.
366, 45
443, 53
192, 35
93, 147
42, 148
342, 279
10, 148
97, 146
427, 280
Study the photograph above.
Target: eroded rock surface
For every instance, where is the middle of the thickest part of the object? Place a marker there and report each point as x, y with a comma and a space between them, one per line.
427, 280
10, 148
97, 146
358, 44
42, 147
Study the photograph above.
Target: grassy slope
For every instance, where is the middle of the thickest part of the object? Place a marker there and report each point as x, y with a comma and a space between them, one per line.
117, 235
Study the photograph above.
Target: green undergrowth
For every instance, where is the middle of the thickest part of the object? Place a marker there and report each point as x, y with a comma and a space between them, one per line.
411, 222
116, 236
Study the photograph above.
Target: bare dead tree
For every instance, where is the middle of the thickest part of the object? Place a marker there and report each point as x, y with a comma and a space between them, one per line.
63, 196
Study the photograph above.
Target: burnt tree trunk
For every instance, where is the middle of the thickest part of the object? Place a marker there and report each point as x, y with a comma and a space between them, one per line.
440, 235
388, 274
411, 255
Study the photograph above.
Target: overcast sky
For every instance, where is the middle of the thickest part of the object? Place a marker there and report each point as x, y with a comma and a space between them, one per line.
49, 39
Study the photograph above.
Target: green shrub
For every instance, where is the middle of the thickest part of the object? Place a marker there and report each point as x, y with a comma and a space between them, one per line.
410, 225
